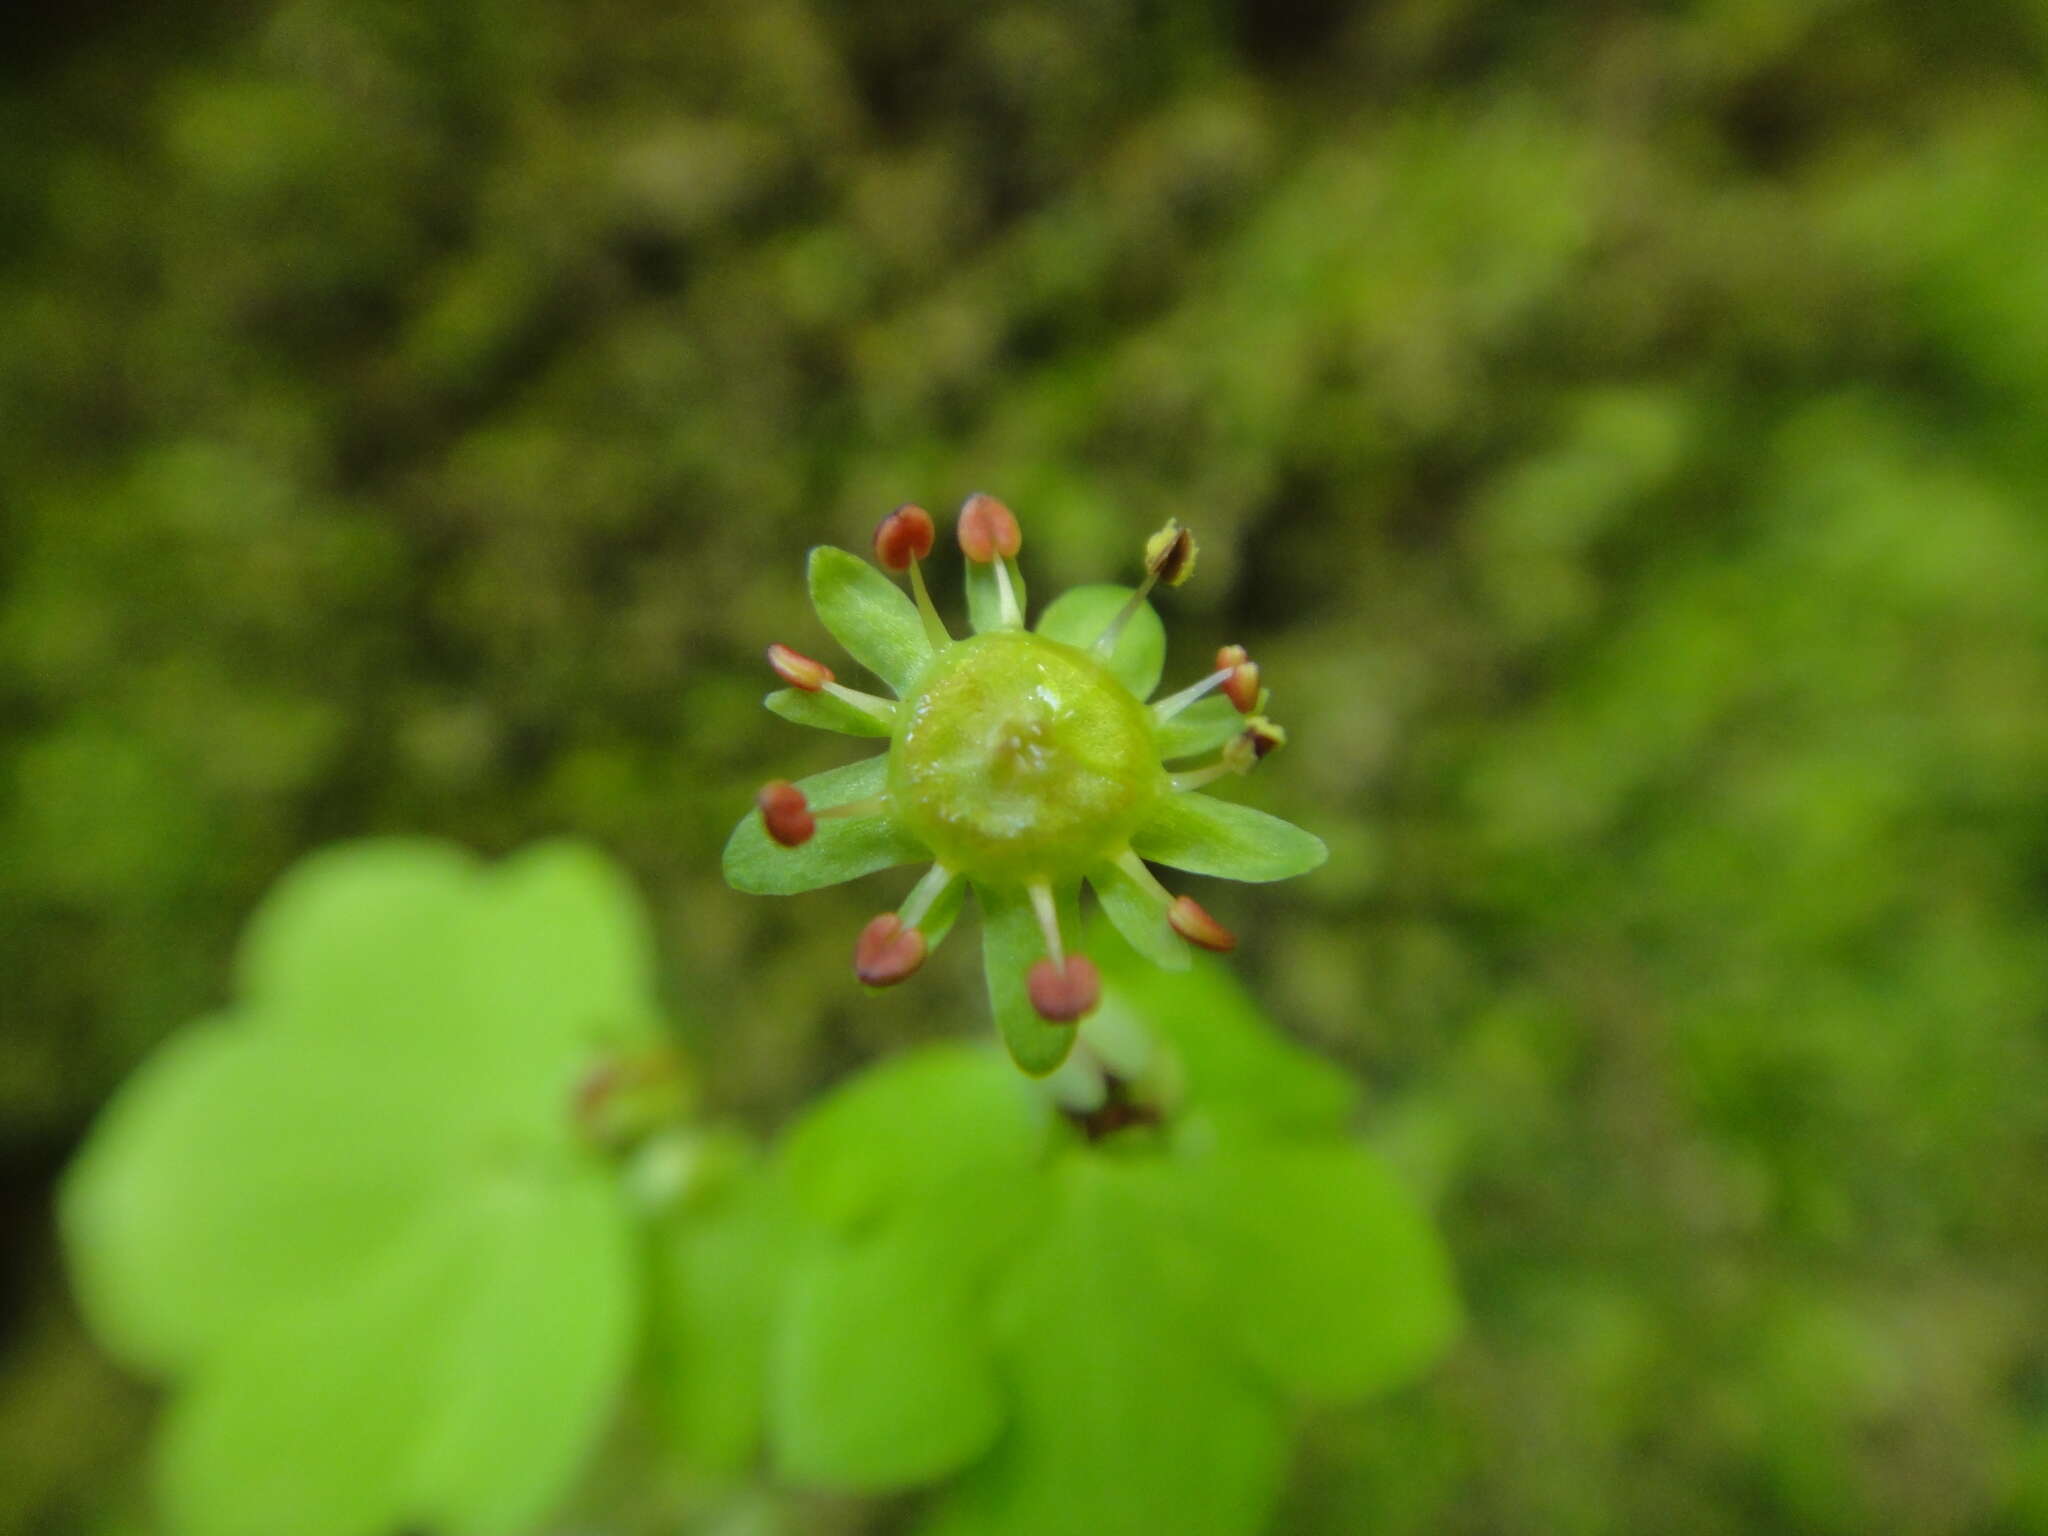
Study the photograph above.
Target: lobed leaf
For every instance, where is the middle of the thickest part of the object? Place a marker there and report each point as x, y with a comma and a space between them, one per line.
870, 616
1207, 836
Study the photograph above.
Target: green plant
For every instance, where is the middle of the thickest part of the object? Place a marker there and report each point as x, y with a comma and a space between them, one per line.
1021, 762
402, 1226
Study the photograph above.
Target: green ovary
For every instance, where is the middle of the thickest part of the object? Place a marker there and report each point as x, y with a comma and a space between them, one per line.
1018, 758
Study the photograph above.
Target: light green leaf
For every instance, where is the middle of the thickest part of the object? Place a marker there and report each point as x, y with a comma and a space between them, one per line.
841, 849
1079, 616
984, 599
1336, 1285
1136, 913
400, 899
457, 1385
870, 616
1010, 945
882, 1375
714, 1274
1236, 1065
212, 1186
1207, 836
1127, 1418
825, 712
1203, 726
915, 1131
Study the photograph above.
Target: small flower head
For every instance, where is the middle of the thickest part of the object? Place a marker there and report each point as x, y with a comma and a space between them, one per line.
1021, 762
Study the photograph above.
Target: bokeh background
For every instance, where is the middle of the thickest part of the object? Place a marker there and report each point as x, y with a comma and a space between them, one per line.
1621, 430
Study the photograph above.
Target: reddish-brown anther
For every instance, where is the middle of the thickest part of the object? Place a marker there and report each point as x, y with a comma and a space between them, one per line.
1242, 686
988, 529
1198, 927
1231, 656
785, 813
1064, 997
886, 951
903, 536
1264, 736
797, 669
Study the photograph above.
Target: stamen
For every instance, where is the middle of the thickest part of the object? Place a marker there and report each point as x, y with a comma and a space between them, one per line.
1195, 778
988, 530
902, 540
1006, 594
1064, 994
874, 805
1173, 704
1048, 913
797, 669
1242, 685
1169, 557
1263, 736
887, 951
882, 709
925, 893
1198, 927
785, 813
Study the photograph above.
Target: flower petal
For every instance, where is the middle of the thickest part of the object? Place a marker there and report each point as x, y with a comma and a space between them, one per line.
1136, 913
840, 849
1079, 616
984, 601
1203, 726
1207, 836
824, 712
869, 615
1010, 945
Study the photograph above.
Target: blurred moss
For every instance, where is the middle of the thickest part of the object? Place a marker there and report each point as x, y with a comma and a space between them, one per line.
1618, 431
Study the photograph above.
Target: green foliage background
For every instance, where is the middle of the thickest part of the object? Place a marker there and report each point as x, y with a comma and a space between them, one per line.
1619, 431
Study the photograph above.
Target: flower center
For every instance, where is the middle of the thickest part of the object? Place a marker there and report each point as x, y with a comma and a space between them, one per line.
1018, 758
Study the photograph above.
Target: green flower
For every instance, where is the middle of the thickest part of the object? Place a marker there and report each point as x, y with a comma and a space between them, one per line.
1022, 762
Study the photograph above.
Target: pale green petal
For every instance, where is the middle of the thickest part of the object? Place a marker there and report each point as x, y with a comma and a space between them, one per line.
1202, 727
1136, 913
1207, 836
984, 601
824, 712
870, 616
1010, 945
841, 849
1079, 616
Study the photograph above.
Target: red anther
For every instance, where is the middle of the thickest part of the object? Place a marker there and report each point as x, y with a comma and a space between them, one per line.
1198, 927
886, 951
903, 536
1242, 686
797, 669
1064, 997
785, 813
1231, 656
988, 529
